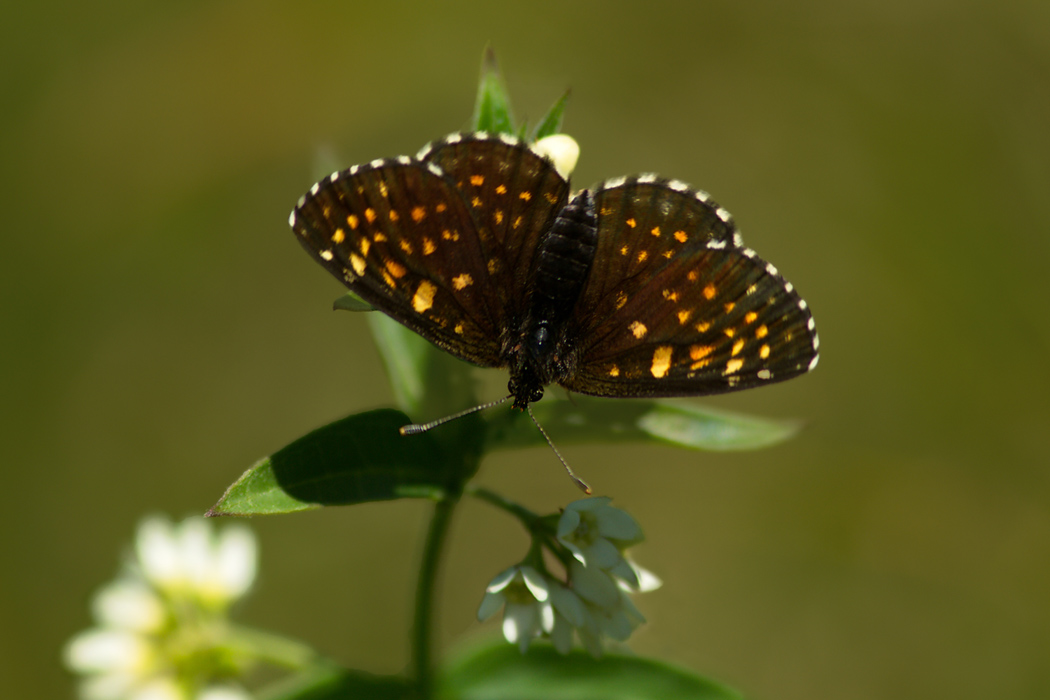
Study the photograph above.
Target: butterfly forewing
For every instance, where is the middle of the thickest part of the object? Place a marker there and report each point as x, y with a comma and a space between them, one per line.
514, 196
676, 306
399, 234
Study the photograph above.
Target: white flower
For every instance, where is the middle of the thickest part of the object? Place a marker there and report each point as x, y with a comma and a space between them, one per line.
597, 606
524, 594
597, 533
160, 625
569, 613
189, 559
563, 151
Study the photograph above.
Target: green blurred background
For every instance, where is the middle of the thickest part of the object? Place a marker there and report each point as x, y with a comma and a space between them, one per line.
162, 329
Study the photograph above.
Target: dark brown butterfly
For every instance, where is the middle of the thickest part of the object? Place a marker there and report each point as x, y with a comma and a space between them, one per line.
639, 287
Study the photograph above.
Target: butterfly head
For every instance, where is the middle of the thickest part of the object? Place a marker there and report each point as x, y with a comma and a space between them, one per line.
526, 386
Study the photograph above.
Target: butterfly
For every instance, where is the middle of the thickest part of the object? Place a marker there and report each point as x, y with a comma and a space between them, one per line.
637, 287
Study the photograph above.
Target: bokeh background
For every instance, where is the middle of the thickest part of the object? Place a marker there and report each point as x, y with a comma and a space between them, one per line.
161, 329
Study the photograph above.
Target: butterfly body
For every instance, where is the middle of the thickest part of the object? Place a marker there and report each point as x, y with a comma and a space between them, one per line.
544, 352
637, 287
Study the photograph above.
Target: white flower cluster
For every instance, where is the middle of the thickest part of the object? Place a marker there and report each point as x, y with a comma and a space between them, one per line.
594, 601
161, 624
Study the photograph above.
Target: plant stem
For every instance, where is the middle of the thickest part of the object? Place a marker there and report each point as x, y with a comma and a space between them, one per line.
423, 625
526, 516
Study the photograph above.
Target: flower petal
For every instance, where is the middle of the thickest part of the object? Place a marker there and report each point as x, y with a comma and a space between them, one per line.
603, 554
589, 504
624, 571
500, 580
129, 604
235, 565
568, 522
101, 650
518, 622
546, 617
561, 634
617, 524
536, 584
647, 580
568, 605
563, 151
158, 552
195, 549
490, 604
594, 585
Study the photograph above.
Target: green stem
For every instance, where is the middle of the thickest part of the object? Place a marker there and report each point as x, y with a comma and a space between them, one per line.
423, 625
526, 516
539, 527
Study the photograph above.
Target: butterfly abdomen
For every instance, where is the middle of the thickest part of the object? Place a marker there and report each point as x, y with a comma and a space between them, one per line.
563, 261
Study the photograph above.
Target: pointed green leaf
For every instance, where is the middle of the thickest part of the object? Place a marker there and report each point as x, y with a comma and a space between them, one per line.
586, 420
354, 460
351, 302
492, 109
551, 123
504, 673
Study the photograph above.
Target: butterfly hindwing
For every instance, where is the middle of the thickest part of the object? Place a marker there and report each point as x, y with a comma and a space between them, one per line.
675, 305
398, 234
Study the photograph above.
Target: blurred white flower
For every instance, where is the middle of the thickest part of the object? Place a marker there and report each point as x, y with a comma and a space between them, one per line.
161, 625
191, 560
563, 151
524, 594
597, 533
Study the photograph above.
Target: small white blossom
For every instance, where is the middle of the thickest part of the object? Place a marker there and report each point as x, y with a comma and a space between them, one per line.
160, 624
594, 602
597, 606
563, 151
524, 594
597, 533
189, 559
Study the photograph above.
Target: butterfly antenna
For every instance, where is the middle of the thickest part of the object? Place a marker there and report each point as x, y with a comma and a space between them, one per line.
417, 428
584, 486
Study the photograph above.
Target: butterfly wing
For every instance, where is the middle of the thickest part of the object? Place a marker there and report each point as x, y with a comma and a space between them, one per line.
675, 305
514, 195
400, 235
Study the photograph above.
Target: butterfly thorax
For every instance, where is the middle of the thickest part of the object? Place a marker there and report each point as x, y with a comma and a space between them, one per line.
542, 354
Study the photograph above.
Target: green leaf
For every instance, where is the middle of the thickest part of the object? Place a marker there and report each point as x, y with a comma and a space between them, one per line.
351, 302
354, 460
504, 673
587, 420
705, 428
551, 123
332, 683
492, 108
